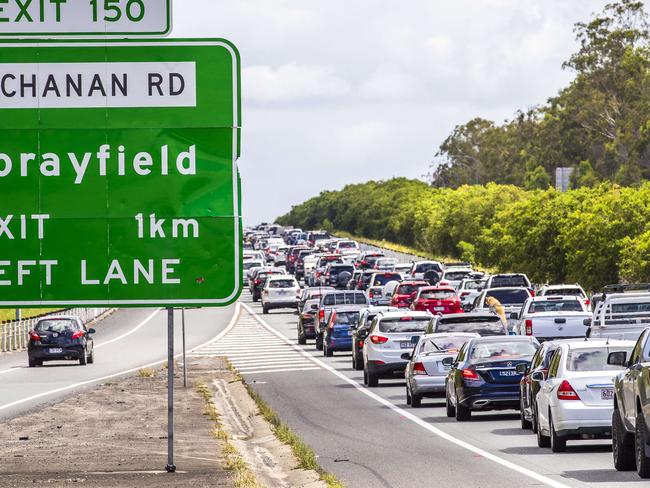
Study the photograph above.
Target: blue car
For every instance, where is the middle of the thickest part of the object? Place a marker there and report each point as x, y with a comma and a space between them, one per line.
484, 375
337, 334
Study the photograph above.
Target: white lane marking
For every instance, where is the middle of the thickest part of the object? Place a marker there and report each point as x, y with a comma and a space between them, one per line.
279, 370
230, 325
408, 415
15, 368
298, 359
126, 334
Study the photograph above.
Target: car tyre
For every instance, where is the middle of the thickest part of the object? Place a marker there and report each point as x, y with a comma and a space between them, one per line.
533, 423
558, 444
408, 396
32, 363
327, 352
641, 440
525, 424
359, 364
463, 414
302, 340
416, 400
365, 377
622, 445
91, 358
542, 440
82, 359
265, 310
319, 342
373, 380
451, 410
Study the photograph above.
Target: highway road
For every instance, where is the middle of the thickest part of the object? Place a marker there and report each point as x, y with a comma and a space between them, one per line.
371, 438
125, 341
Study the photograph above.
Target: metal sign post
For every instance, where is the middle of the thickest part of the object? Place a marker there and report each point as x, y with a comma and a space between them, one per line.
171, 467
184, 359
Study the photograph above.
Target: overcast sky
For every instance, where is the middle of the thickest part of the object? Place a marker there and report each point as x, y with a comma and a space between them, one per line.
342, 91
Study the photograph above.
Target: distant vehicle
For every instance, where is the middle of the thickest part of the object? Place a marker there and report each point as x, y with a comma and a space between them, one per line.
509, 280
390, 335
437, 300
564, 291
426, 371
354, 281
623, 314
512, 299
419, 268
60, 338
481, 323
576, 400
631, 417
251, 264
469, 289
258, 280
346, 247
403, 268
455, 276
552, 317
360, 332
281, 291
299, 267
314, 237
385, 264
337, 334
313, 278
485, 376
406, 292
376, 285
337, 275
307, 320
292, 257
367, 259
332, 300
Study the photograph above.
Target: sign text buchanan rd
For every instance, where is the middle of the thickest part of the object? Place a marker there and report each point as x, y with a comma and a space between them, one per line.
118, 173
20, 18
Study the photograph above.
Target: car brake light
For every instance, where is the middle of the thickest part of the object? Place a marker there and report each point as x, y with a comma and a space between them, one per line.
34, 336
470, 374
361, 343
418, 368
405, 319
257, 282
566, 392
78, 334
529, 327
321, 314
332, 320
375, 339
587, 302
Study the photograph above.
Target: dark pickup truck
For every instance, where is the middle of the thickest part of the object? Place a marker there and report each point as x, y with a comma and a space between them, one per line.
631, 418
331, 300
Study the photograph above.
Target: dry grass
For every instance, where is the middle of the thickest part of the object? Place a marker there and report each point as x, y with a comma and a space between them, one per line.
10, 314
146, 373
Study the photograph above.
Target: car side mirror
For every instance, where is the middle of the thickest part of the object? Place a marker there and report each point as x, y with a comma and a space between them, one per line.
618, 358
91, 331
514, 315
448, 361
406, 356
537, 376
587, 322
522, 368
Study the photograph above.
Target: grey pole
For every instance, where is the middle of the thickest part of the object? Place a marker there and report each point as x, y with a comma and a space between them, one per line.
171, 467
184, 360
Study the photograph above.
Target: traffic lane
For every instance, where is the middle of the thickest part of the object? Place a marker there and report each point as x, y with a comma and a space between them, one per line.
24, 388
495, 432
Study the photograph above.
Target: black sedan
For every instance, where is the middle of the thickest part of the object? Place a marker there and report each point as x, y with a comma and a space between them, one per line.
60, 338
484, 375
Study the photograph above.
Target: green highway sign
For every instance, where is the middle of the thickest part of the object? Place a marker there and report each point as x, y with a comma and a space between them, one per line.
118, 173
105, 18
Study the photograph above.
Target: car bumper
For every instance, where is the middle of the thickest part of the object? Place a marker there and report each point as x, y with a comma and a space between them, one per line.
574, 418
339, 343
481, 398
386, 369
69, 353
422, 384
280, 304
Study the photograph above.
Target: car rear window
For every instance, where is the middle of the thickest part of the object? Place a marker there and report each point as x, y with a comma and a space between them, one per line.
347, 245
345, 299
565, 292
452, 343
404, 324
408, 289
341, 269
480, 326
437, 295
347, 318
252, 264
56, 325
509, 297
505, 281
424, 267
592, 359
456, 275
283, 284
493, 351
382, 279
556, 306
473, 285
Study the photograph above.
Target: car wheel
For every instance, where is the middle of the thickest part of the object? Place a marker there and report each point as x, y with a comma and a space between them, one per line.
622, 445
91, 358
319, 342
365, 377
373, 380
265, 310
558, 444
641, 440
525, 424
542, 440
255, 298
82, 359
451, 410
359, 364
533, 422
408, 396
416, 400
302, 340
32, 363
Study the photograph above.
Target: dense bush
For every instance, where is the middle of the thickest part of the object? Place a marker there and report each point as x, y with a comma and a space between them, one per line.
593, 236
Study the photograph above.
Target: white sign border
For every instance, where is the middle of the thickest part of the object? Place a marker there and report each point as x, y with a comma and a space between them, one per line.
235, 187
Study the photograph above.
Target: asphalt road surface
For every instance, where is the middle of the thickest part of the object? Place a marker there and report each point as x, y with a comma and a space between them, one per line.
371, 438
126, 340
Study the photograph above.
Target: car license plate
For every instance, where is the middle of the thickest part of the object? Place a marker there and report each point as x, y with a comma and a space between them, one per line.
439, 309
406, 345
607, 394
508, 373
55, 350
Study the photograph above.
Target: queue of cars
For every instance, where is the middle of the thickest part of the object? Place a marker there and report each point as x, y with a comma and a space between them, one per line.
574, 366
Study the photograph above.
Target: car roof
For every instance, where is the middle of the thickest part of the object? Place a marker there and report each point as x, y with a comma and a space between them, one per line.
348, 308
414, 282
438, 288
450, 334
582, 344
469, 315
553, 298
60, 317
405, 313
281, 277
508, 338
505, 288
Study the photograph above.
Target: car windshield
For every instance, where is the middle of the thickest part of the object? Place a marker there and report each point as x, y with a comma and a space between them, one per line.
382, 279
347, 245
437, 295
59, 326
564, 292
504, 281
509, 297
408, 289
452, 343
283, 284
482, 326
502, 350
556, 306
592, 359
347, 318
456, 275
350, 298
403, 324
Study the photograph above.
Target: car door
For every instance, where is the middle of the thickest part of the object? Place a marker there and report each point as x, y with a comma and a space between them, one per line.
630, 379
454, 374
536, 361
544, 395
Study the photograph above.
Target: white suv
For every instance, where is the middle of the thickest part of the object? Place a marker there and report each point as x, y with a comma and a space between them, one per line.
280, 291
391, 334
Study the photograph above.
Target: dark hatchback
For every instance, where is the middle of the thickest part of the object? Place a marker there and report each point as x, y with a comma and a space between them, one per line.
60, 338
485, 375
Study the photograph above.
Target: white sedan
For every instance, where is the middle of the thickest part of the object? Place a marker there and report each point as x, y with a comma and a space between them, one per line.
576, 401
280, 291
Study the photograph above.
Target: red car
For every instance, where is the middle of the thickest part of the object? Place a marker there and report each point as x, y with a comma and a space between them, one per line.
437, 300
405, 293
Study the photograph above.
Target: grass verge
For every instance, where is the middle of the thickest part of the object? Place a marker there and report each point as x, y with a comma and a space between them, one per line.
26, 313
304, 454
244, 476
391, 246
